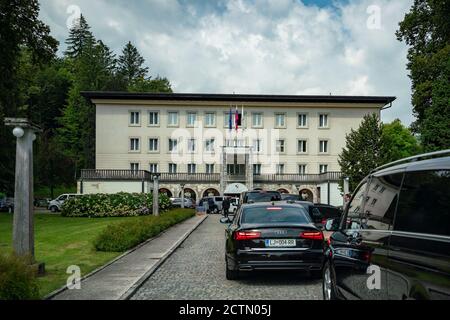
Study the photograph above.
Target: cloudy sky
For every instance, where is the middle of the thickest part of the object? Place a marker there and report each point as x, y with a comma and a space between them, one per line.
345, 47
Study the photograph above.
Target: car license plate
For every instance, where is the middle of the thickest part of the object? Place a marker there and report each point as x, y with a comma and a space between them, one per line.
280, 243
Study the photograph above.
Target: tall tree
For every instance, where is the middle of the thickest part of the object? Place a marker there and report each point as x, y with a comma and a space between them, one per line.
80, 37
397, 142
426, 29
93, 69
362, 152
19, 27
131, 64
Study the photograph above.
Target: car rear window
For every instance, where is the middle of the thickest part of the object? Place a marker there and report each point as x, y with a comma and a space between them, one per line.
263, 196
274, 214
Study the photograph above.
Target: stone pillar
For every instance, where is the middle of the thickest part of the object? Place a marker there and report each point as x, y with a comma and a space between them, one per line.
182, 196
23, 227
155, 178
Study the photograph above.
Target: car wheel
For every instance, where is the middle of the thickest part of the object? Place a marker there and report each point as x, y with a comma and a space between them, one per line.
328, 285
53, 209
231, 274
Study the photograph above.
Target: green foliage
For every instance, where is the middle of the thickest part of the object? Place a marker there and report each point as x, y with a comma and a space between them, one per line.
17, 280
113, 205
426, 29
128, 234
131, 64
79, 38
362, 152
397, 142
161, 85
20, 28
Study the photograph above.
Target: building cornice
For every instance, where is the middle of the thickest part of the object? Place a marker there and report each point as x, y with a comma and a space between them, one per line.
226, 99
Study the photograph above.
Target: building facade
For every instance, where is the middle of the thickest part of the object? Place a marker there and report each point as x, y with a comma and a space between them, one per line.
223, 144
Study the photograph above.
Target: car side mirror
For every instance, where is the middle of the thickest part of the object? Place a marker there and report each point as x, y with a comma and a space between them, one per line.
225, 220
331, 225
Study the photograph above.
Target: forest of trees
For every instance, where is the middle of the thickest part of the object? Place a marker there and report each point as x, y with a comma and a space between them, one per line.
38, 84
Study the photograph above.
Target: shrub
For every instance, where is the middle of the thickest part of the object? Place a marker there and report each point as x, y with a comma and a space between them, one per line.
113, 205
125, 235
17, 280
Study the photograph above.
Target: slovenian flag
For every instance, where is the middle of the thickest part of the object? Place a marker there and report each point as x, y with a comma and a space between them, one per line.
236, 118
230, 121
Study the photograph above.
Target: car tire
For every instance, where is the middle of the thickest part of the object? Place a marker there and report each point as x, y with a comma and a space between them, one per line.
328, 283
54, 209
231, 274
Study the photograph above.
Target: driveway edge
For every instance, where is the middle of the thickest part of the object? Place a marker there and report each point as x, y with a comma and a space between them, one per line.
132, 290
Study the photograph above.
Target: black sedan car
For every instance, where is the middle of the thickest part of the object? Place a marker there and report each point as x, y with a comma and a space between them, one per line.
270, 236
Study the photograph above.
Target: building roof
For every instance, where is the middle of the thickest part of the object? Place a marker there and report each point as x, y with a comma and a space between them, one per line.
235, 97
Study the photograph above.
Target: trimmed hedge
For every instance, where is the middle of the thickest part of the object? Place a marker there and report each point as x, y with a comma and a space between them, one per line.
17, 280
113, 205
122, 236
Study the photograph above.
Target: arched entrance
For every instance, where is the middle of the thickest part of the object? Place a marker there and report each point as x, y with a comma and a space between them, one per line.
235, 189
211, 192
283, 191
306, 195
189, 193
165, 191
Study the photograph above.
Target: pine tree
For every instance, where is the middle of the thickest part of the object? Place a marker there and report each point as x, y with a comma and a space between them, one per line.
131, 64
79, 38
362, 151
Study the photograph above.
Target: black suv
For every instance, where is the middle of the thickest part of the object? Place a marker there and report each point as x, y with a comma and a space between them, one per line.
393, 240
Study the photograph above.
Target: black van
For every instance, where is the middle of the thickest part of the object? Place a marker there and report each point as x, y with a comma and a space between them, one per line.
393, 240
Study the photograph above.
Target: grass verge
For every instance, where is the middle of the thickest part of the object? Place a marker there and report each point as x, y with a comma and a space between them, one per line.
61, 242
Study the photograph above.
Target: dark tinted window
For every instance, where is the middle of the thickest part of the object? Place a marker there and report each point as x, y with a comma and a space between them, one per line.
424, 205
274, 214
379, 210
263, 196
294, 197
329, 212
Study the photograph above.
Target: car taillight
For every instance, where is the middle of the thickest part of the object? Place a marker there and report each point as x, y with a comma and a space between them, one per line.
312, 235
247, 235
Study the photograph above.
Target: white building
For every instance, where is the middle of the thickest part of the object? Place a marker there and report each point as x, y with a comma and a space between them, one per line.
287, 143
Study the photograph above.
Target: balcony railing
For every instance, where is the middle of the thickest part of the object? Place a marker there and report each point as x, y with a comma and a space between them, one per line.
143, 175
190, 177
297, 178
108, 174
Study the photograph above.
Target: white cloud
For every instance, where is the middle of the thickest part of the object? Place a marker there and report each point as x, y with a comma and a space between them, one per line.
270, 47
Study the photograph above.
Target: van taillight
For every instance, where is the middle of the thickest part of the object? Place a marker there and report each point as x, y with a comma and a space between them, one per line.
247, 235
312, 235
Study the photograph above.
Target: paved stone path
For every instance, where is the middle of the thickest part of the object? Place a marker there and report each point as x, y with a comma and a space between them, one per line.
196, 270
121, 276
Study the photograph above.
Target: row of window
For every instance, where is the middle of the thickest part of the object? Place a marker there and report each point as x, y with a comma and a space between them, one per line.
173, 119
231, 169
209, 145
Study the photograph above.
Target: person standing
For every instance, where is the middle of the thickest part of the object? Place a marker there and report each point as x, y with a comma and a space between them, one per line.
226, 206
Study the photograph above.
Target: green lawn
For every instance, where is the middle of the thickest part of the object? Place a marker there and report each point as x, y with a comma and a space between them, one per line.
61, 242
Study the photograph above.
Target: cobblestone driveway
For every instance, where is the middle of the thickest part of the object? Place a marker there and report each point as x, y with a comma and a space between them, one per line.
196, 270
